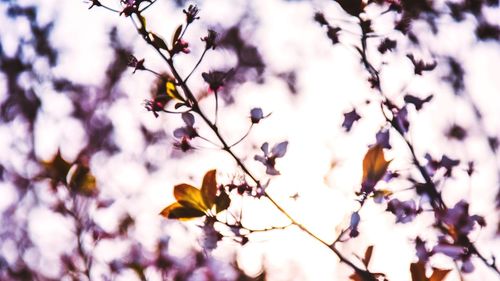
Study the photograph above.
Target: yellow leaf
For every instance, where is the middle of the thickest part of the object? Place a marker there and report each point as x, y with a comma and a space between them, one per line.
374, 165
178, 211
190, 196
209, 188
172, 90
81, 180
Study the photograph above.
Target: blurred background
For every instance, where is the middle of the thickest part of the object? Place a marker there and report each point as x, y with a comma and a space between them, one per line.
85, 169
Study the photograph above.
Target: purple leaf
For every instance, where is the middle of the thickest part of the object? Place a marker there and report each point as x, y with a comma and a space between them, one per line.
349, 119
416, 101
279, 149
420, 66
265, 148
188, 118
383, 138
401, 120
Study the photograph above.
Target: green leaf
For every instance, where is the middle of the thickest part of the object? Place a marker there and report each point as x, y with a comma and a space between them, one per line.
158, 41
178, 211
189, 196
209, 188
222, 202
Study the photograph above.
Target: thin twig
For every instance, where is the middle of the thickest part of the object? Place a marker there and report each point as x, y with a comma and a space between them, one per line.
196, 66
243, 137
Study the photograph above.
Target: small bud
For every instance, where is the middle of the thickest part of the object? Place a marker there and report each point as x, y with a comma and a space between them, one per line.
191, 13
210, 40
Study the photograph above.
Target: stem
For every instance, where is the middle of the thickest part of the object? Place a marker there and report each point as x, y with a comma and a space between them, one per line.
216, 95
154, 72
79, 231
365, 274
149, 5
243, 137
196, 66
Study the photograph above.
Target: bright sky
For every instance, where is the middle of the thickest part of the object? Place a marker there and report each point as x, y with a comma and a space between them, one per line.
329, 84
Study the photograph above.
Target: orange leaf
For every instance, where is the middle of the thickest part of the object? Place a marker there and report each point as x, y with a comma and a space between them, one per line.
374, 165
355, 277
209, 188
439, 274
189, 196
418, 272
178, 211
368, 255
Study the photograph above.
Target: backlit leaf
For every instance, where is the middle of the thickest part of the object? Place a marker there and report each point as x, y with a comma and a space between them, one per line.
57, 169
81, 180
158, 41
374, 165
143, 20
209, 188
171, 90
439, 274
222, 201
368, 255
178, 211
177, 34
352, 7
356, 277
418, 272
189, 196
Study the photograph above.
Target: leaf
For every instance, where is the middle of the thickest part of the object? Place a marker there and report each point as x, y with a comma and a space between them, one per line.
349, 119
356, 277
352, 7
222, 201
209, 188
439, 274
279, 150
57, 169
178, 211
177, 34
81, 180
374, 165
189, 196
418, 272
143, 21
158, 41
368, 255
171, 90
